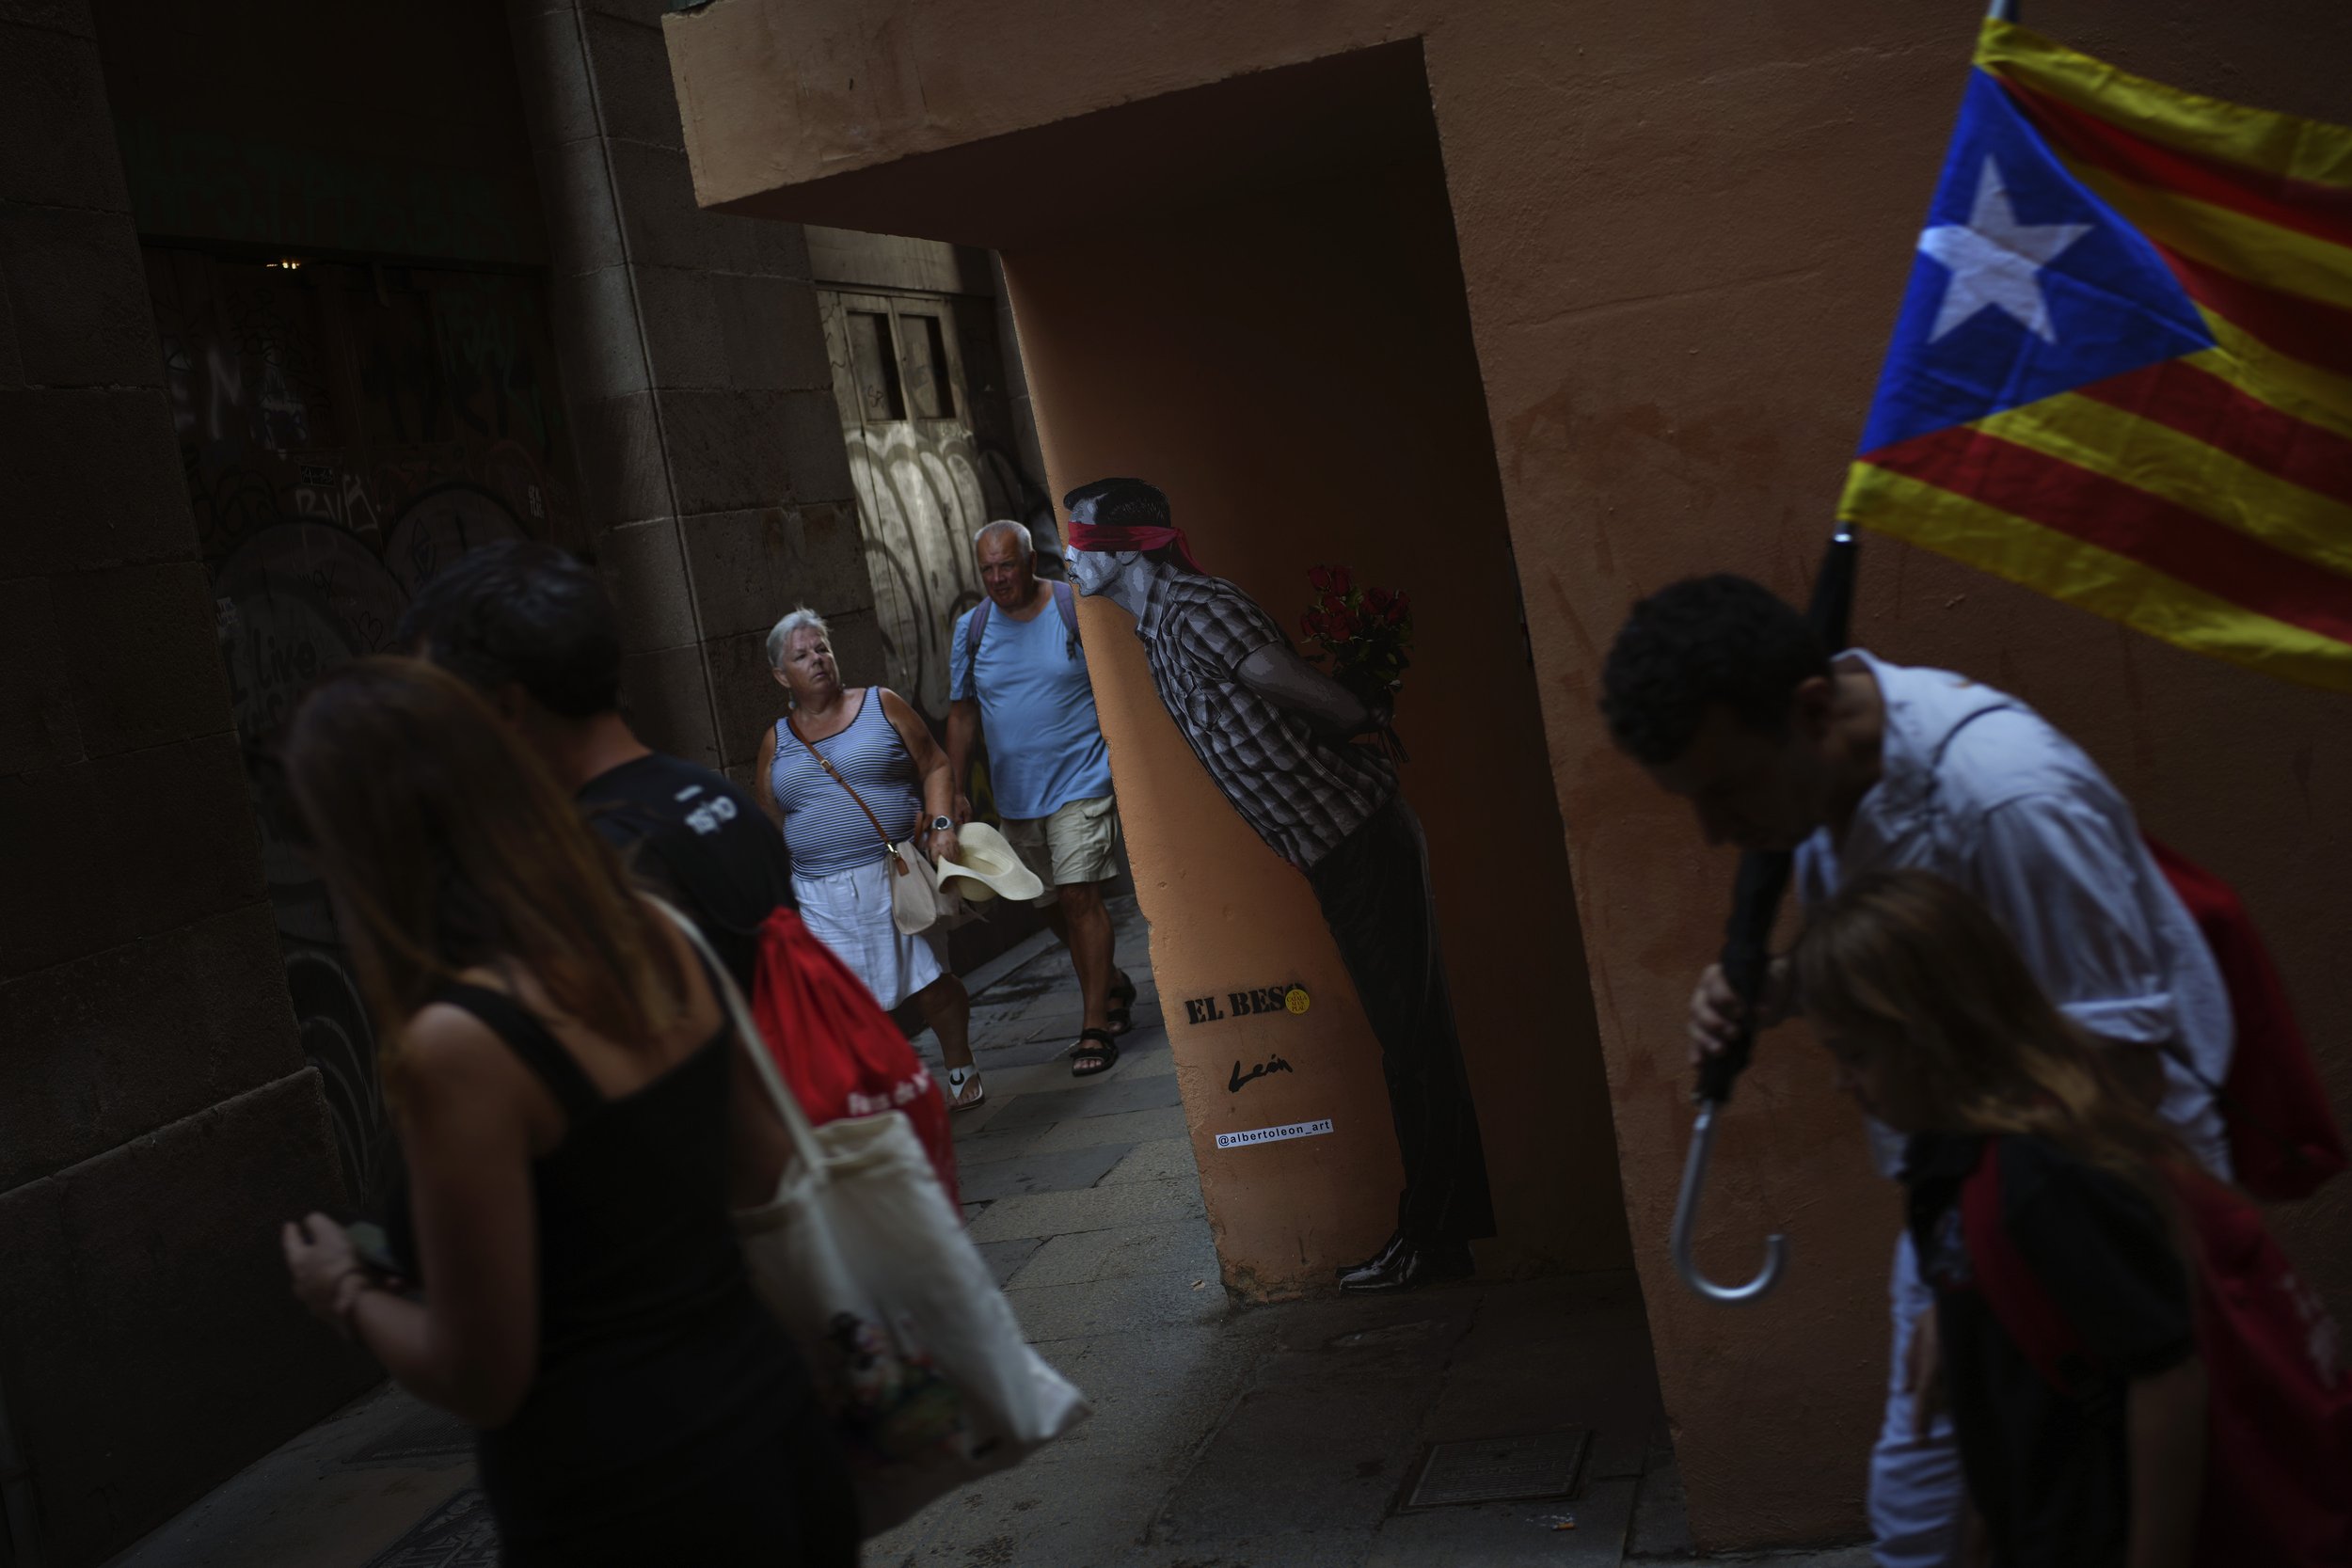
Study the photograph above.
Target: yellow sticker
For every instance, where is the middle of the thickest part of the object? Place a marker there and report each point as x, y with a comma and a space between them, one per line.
1296, 999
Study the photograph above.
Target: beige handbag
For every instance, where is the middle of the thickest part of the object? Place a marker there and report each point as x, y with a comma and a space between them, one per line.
917, 901
914, 1350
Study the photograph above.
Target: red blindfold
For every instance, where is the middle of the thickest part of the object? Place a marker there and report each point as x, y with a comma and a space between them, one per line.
1115, 539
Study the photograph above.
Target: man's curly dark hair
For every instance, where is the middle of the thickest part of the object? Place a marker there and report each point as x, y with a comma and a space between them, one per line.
1703, 643
523, 611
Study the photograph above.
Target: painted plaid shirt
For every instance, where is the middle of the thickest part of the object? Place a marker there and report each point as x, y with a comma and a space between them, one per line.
1302, 794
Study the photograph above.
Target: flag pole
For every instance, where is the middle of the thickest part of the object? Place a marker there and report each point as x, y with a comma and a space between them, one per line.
1756, 898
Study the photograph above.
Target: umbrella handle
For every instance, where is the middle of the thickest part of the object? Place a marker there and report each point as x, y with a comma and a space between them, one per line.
1686, 1222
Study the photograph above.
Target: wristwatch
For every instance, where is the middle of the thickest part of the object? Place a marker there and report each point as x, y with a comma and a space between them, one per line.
942, 824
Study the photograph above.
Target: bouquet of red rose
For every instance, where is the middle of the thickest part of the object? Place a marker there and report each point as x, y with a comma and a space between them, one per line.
1361, 635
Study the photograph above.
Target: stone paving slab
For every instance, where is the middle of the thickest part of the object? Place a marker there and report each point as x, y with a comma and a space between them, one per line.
1097, 1208
1058, 1171
987, 1146
1160, 1122
1141, 1304
1084, 1256
1006, 1259
1513, 1535
1156, 1160
1100, 1098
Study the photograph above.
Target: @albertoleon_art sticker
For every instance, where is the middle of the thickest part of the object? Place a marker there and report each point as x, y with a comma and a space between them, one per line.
1274, 1134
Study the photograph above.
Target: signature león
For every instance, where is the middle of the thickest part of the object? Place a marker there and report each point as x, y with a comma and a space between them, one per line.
1272, 1064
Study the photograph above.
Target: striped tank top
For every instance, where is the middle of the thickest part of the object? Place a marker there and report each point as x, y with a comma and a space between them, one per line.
822, 827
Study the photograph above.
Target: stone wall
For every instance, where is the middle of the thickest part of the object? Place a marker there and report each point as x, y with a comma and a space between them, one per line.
718, 493
157, 1120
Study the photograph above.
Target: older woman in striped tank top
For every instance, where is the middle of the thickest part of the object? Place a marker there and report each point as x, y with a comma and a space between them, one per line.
840, 866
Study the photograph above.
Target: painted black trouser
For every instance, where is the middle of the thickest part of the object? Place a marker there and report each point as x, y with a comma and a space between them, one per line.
1375, 892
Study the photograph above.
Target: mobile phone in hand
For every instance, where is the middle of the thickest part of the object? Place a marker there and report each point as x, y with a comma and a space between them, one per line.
375, 1249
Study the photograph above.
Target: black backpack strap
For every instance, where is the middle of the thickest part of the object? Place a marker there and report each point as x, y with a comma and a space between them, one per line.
530, 1040
974, 625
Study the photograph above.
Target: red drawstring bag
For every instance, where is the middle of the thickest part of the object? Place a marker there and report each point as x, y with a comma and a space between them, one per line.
2283, 1140
2277, 1404
838, 1049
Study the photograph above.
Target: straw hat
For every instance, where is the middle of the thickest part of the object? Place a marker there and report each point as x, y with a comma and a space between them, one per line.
985, 866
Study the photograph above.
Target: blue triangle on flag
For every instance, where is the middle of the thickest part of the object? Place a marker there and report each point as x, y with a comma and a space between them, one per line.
2024, 285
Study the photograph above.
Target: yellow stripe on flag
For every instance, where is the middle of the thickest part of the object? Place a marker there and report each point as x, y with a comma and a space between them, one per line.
2242, 247
2099, 581
2277, 144
2184, 470
2287, 384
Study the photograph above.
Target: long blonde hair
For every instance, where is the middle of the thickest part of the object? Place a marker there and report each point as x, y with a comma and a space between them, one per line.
444, 845
1911, 962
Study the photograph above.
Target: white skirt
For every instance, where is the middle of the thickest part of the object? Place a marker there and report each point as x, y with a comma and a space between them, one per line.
849, 912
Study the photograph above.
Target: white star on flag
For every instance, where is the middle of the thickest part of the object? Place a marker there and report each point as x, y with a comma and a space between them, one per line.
1994, 258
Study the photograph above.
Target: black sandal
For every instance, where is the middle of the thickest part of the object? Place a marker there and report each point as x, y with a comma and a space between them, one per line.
1122, 998
1106, 1053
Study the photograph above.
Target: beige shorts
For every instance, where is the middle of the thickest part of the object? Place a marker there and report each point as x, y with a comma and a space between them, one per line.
1079, 842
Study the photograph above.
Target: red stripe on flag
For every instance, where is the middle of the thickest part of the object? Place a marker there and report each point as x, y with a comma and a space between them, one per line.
2323, 212
2296, 325
2202, 406
2181, 544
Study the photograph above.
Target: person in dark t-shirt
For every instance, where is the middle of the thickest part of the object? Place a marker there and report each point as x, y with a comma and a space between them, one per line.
530, 626
701, 843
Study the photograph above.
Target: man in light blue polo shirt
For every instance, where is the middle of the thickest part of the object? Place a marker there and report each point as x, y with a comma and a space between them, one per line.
1016, 669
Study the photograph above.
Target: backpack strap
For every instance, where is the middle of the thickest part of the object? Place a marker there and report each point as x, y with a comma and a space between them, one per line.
1067, 603
1999, 1274
974, 625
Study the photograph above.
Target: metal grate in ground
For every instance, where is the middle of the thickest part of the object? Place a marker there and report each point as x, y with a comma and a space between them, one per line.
1499, 1469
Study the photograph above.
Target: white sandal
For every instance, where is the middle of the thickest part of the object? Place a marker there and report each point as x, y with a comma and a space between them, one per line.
961, 1082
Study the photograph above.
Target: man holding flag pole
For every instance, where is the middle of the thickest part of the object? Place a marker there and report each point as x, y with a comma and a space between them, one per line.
2122, 375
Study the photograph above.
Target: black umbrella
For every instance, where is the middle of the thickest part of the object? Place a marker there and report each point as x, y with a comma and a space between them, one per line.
1747, 959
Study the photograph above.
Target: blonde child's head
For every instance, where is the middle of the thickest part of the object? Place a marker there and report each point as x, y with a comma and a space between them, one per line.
1936, 1026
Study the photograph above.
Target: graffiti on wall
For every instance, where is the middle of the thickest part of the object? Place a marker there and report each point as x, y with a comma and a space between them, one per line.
925, 480
345, 432
919, 495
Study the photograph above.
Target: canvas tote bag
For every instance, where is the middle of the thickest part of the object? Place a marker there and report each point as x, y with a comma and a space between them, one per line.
917, 901
913, 1349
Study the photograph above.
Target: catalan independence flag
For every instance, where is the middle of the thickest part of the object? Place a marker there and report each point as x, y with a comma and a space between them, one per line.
2123, 374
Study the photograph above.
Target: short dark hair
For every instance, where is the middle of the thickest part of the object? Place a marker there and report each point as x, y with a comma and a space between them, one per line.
1703, 643
527, 613
1122, 503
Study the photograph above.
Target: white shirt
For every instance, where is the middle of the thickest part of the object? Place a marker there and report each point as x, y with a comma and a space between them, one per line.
1976, 788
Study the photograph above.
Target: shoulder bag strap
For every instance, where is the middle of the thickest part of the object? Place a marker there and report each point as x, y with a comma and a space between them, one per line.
826, 763
747, 1034
1067, 603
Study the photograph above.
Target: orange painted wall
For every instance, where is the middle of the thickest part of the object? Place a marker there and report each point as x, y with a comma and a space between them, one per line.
1683, 230
1296, 373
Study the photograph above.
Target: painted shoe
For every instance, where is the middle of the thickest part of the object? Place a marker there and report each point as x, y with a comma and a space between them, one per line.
1412, 1265
1377, 1261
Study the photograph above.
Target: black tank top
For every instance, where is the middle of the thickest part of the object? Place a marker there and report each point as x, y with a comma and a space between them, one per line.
655, 1360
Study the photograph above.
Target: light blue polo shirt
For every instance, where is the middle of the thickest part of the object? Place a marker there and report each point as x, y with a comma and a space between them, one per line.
1037, 708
